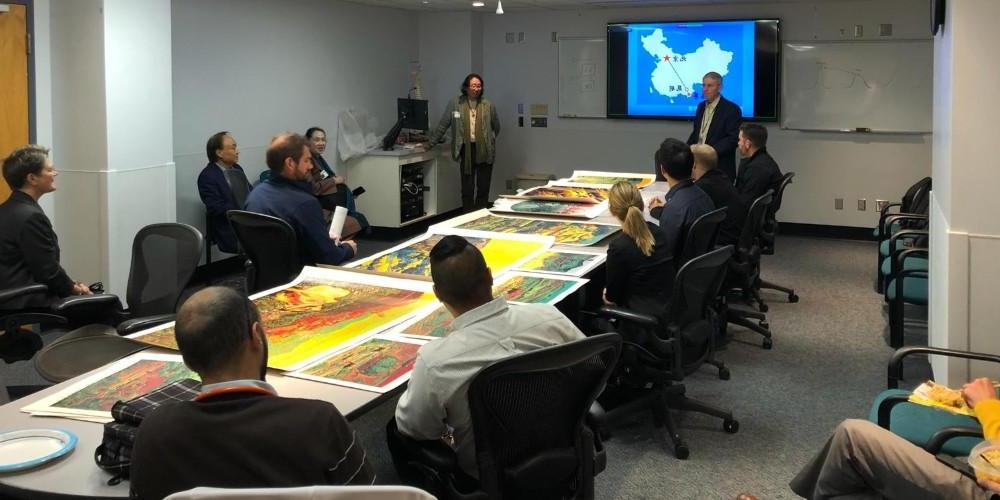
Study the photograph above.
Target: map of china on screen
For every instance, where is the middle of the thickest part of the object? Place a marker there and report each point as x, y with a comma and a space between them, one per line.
668, 60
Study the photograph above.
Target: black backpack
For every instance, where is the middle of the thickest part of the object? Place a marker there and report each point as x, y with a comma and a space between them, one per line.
115, 451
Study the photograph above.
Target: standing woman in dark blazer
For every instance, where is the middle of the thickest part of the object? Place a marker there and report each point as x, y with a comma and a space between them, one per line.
475, 126
640, 269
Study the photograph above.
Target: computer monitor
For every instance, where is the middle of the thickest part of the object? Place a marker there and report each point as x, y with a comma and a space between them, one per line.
413, 113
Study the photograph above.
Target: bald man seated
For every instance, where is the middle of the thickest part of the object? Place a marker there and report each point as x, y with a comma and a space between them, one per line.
238, 433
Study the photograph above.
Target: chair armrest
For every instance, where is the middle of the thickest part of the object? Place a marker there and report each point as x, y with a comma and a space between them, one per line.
12, 322
630, 316
104, 303
597, 420
901, 255
943, 435
896, 361
885, 210
886, 406
12, 293
904, 234
135, 325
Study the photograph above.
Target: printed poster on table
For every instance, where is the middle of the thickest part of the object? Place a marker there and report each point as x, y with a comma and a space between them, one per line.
91, 398
607, 179
563, 262
573, 233
550, 208
322, 311
378, 364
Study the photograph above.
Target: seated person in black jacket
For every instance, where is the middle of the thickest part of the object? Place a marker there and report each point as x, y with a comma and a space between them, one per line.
719, 187
758, 171
685, 202
222, 186
238, 433
640, 271
29, 248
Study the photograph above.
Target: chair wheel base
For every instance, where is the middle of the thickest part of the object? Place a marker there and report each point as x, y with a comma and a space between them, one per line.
792, 298
681, 451
731, 426
767, 344
724, 374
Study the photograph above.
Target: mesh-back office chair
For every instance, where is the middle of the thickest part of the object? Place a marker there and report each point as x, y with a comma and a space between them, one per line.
769, 233
530, 420
702, 235
744, 271
935, 430
270, 245
164, 258
656, 357
304, 493
239, 189
911, 214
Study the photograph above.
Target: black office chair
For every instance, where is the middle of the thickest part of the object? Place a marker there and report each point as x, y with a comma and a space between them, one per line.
271, 247
16, 343
656, 357
702, 235
744, 271
769, 233
532, 420
164, 258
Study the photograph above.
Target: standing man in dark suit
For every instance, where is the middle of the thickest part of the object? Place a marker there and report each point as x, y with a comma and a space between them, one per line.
717, 123
758, 171
223, 186
29, 248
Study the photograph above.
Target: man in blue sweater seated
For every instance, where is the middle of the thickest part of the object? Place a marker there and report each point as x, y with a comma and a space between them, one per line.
288, 195
684, 202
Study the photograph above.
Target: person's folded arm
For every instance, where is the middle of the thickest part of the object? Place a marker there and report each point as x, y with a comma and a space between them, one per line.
41, 252
315, 237
420, 413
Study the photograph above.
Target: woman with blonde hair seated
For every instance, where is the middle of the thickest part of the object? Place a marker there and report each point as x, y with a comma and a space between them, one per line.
640, 269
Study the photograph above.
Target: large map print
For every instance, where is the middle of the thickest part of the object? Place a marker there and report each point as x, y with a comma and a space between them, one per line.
676, 74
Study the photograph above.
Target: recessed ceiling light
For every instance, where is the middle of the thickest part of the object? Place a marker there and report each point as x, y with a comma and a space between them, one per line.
478, 4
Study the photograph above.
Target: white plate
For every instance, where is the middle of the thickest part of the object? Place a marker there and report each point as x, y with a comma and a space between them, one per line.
28, 448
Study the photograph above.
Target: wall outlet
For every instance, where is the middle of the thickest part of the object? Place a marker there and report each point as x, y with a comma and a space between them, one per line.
838, 203
885, 30
862, 205
880, 205
859, 31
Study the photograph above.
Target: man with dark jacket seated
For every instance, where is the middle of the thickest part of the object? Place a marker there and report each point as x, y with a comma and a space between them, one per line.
758, 171
719, 187
288, 195
238, 433
684, 202
222, 186
29, 248
486, 329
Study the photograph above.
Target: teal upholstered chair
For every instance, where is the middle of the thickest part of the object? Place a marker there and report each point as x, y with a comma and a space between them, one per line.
935, 430
910, 213
906, 280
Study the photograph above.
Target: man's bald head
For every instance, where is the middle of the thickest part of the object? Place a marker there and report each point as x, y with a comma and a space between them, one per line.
284, 146
213, 327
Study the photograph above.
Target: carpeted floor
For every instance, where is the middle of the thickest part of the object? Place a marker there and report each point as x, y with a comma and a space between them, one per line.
827, 364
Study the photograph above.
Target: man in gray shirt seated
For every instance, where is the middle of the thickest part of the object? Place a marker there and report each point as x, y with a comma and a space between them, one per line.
486, 329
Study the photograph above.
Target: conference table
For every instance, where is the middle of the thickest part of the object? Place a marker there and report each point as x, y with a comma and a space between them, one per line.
77, 474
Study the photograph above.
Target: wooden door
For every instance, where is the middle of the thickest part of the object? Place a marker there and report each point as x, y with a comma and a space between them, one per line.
13, 81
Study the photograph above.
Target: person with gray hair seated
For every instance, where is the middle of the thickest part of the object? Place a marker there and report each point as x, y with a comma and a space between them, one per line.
238, 433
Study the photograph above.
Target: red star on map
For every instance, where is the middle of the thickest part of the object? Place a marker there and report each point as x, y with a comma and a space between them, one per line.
666, 58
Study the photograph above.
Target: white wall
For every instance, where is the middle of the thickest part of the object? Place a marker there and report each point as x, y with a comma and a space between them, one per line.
827, 165
42, 55
965, 230
446, 42
258, 67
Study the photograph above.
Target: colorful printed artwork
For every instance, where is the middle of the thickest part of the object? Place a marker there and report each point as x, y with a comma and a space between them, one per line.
545, 207
311, 318
378, 364
132, 382
569, 263
412, 258
565, 232
92, 397
609, 178
434, 325
163, 338
579, 194
535, 289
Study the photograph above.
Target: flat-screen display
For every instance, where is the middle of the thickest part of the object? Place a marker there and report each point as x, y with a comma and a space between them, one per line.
655, 69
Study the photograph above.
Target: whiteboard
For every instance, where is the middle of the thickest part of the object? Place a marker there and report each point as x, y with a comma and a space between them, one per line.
883, 86
583, 77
